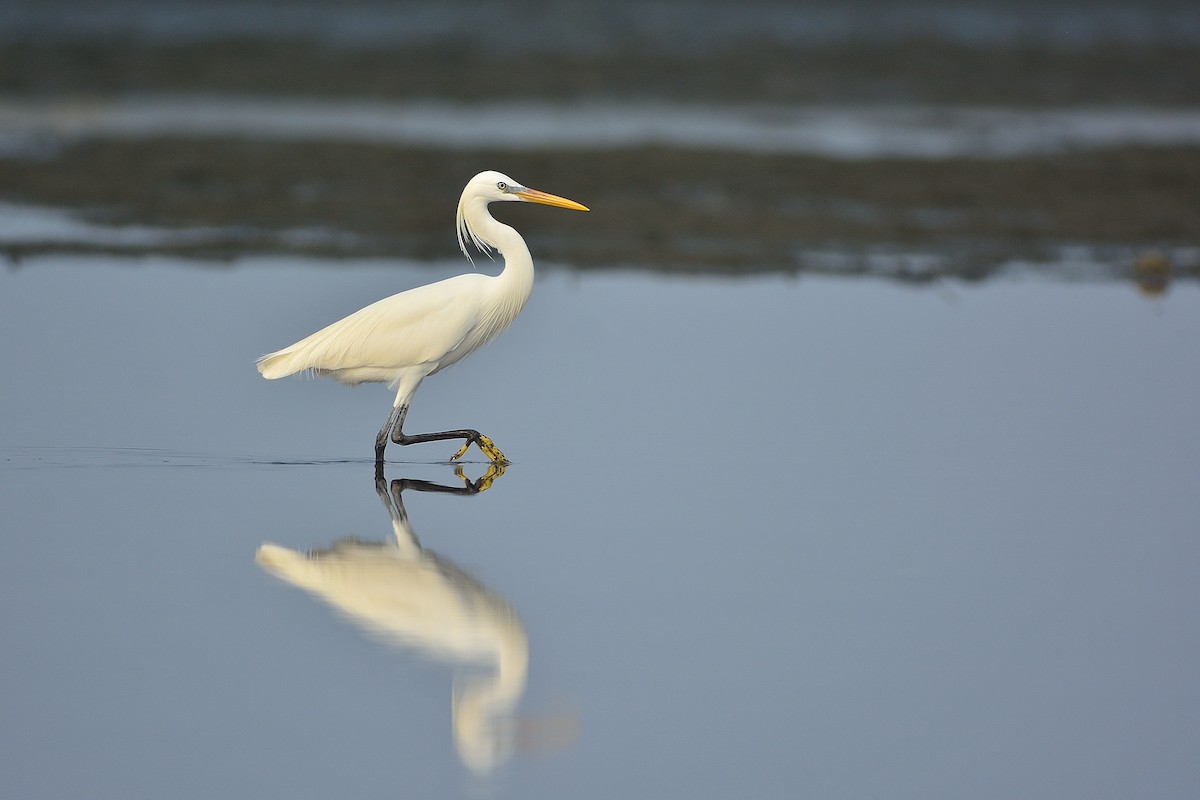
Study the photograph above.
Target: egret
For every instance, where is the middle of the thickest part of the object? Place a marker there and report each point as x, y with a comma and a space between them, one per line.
402, 339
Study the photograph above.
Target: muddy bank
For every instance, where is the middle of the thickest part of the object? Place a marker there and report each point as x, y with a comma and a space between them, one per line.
664, 208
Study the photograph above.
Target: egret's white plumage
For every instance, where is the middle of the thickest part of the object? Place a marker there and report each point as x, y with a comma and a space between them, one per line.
404, 338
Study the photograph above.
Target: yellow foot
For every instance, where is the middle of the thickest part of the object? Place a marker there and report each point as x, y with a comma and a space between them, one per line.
491, 451
487, 446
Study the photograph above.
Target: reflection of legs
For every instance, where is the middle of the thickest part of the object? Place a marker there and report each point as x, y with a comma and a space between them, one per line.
392, 500
393, 429
481, 484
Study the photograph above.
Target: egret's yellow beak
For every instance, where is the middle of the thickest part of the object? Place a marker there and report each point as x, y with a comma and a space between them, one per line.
545, 198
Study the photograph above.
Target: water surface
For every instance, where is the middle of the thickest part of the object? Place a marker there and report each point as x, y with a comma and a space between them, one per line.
820, 536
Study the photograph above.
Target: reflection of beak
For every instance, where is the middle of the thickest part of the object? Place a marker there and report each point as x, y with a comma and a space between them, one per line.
534, 196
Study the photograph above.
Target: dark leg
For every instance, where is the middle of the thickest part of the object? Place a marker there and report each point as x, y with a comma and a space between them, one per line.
395, 419
468, 436
395, 425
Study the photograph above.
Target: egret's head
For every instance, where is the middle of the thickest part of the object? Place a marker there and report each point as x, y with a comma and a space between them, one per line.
490, 187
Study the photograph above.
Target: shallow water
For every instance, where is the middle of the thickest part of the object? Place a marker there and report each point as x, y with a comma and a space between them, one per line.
827, 536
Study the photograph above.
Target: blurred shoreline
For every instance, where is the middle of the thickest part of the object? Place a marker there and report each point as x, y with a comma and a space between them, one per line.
740, 212
951, 139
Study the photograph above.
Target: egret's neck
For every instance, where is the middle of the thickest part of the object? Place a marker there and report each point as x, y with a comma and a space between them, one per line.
517, 276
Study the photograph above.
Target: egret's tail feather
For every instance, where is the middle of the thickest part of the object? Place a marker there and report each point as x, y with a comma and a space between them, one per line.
281, 364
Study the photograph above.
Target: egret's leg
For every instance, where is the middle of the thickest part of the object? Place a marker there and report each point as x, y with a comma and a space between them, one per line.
395, 420
468, 436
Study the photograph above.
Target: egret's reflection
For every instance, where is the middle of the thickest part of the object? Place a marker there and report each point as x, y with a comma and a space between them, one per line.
416, 598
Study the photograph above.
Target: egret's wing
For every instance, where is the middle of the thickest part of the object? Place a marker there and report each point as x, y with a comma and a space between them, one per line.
415, 327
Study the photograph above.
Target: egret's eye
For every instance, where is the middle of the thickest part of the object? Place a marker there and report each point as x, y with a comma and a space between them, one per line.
502, 186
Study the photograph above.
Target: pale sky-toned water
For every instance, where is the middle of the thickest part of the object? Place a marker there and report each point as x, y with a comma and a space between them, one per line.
829, 537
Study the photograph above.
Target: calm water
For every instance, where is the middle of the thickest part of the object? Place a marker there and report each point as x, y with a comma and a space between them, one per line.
838, 538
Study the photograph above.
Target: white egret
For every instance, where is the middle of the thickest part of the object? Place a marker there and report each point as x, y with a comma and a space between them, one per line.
404, 338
